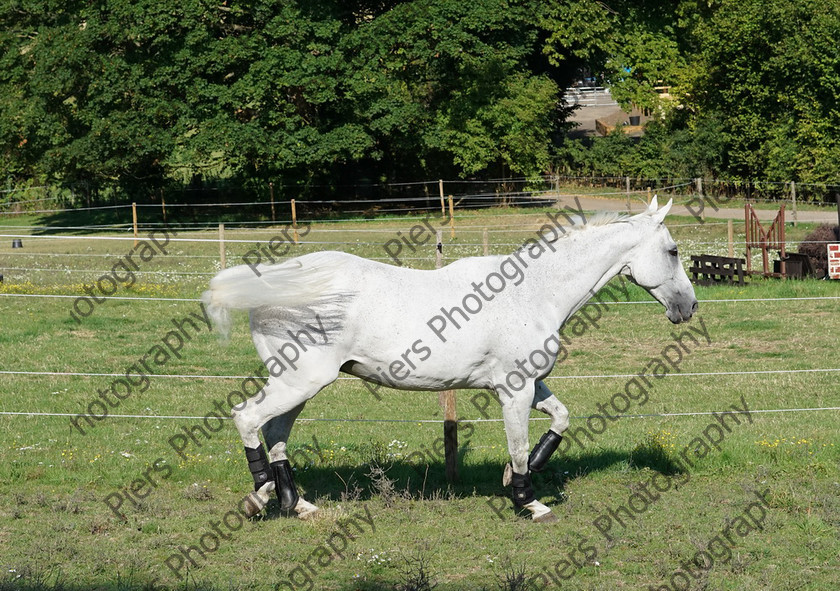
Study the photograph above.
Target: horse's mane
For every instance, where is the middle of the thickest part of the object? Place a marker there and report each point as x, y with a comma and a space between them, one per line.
600, 218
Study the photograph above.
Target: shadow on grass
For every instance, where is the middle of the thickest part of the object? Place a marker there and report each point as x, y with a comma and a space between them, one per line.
186, 217
189, 216
384, 479
376, 479
52, 581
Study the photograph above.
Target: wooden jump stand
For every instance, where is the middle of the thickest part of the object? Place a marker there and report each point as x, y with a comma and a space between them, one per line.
713, 270
771, 239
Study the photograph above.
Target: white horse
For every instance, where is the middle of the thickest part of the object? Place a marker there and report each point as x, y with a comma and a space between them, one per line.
476, 323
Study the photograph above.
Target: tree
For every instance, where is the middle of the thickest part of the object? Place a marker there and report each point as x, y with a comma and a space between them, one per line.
137, 94
769, 72
632, 45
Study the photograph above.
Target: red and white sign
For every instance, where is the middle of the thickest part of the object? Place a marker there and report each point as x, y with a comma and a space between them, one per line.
834, 261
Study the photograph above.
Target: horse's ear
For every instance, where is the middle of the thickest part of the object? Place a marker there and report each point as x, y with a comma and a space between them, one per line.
653, 205
659, 216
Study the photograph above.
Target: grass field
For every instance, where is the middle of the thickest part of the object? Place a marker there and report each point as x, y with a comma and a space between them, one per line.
389, 519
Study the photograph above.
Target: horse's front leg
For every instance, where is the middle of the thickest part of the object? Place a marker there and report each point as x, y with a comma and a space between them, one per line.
515, 411
545, 401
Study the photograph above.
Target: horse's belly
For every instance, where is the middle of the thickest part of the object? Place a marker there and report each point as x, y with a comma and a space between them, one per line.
400, 375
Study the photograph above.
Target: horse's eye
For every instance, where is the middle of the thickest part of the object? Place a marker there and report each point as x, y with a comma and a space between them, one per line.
673, 252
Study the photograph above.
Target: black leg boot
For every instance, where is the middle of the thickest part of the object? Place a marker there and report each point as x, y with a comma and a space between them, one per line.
254, 502
522, 491
258, 465
284, 484
542, 451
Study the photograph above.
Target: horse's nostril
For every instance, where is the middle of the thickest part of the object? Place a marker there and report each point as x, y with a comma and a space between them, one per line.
694, 307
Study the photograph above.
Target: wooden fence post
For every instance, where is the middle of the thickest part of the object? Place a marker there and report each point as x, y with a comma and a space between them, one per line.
485, 243
730, 235
837, 199
294, 221
134, 217
699, 182
442, 206
447, 401
222, 246
271, 191
627, 191
451, 218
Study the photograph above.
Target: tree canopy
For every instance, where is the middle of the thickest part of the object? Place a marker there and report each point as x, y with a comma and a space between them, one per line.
139, 95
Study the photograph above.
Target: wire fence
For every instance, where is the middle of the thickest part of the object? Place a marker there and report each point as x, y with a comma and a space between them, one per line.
748, 373
508, 227
433, 421
363, 199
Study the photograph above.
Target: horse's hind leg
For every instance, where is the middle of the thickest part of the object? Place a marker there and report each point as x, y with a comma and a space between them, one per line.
545, 401
276, 433
284, 402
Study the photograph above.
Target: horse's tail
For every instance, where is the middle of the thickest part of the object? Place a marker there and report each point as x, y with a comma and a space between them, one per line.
296, 282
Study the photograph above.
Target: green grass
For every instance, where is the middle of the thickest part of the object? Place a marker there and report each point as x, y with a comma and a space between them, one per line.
57, 533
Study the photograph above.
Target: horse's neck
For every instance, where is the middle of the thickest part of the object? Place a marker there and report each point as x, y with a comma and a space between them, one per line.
582, 264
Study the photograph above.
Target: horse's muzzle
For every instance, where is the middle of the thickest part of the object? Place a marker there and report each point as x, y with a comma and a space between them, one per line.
681, 313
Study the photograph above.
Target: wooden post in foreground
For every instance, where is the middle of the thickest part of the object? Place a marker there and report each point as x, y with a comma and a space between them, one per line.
446, 399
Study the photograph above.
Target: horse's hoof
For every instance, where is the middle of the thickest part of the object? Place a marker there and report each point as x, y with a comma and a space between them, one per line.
545, 518
507, 476
256, 501
252, 504
305, 509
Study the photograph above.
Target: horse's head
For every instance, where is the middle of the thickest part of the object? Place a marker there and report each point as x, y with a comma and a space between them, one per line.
655, 265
